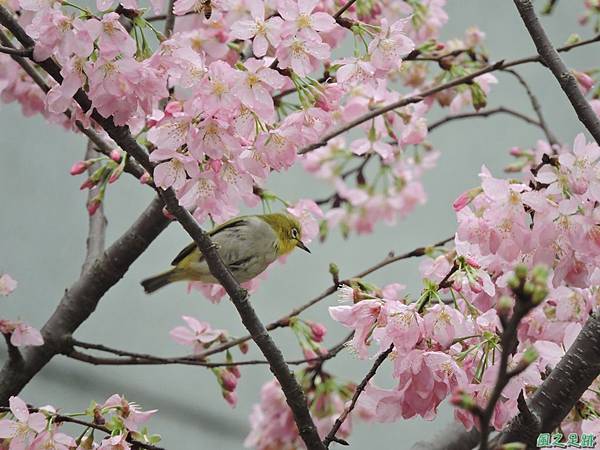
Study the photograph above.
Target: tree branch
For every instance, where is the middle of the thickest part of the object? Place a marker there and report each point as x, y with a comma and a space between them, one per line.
482, 115
563, 75
81, 299
359, 390
130, 358
535, 104
561, 390
500, 65
97, 222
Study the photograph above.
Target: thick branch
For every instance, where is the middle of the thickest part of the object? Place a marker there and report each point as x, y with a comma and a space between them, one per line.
563, 75
81, 299
563, 388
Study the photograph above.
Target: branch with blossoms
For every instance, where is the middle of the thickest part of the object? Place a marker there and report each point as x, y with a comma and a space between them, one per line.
206, 116
36, 428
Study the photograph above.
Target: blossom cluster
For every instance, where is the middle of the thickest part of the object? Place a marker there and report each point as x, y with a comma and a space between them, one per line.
38, 429
448, 341
272, 423
211, 100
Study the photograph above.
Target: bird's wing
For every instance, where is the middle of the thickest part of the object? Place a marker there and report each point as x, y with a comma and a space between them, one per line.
233, 223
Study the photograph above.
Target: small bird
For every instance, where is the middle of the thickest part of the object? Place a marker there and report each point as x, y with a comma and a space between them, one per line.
247, 245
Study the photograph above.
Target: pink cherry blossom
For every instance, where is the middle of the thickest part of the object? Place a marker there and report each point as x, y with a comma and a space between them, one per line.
388, 47
23, 430
361, 317
197, 334
265, 32
133, 416
7, 284
302, 54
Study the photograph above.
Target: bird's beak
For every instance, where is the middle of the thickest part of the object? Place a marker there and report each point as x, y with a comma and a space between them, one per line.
302, 246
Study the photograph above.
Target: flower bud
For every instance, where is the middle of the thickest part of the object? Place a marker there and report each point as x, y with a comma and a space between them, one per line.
318, 331
230, 397
87, 184
115, 155
584, 80
228, 380
521, 271
243, 346
79, 167
145, 178
463, 400
235, 370
462, 201
504, 305
93, 206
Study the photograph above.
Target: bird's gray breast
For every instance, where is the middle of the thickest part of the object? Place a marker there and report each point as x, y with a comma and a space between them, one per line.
247, 250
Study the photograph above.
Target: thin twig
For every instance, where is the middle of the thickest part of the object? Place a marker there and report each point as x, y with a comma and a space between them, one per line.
343, 9
169, 19
483, 114
563, 75
535, 104
127, 358
359, 390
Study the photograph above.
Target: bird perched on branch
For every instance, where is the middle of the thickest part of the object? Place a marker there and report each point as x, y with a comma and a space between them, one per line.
247, 245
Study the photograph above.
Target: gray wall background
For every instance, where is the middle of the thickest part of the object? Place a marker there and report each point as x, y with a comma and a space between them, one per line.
42, 238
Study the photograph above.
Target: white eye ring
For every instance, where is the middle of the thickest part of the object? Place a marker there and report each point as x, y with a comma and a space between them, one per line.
294, 233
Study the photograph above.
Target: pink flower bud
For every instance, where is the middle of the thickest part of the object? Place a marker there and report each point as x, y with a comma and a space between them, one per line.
457, 285
228, 381
235, 370
243, 346
309, 353
114, 176
87, 184
516, 151
173, 107
440, 46
470, 261
145, 178
115, 155
231, 398
318, 331
463, 200
79, 167
584, 80
475, 288
167, 214
93, 206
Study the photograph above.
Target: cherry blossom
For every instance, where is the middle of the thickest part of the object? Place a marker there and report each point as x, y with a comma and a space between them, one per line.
197, 334
23, 430
7, 284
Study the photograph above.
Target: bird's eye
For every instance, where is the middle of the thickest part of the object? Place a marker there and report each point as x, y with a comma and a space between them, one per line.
294, 233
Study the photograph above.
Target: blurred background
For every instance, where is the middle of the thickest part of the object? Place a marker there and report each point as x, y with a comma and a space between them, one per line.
43, 228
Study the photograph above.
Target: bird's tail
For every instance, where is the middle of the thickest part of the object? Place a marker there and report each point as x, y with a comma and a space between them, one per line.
162, 279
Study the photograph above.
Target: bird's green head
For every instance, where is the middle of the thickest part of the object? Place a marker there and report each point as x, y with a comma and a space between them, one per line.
288, 230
